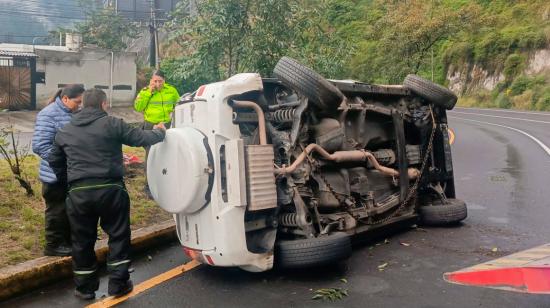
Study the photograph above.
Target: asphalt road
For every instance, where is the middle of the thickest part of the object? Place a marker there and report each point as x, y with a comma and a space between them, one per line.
501, 172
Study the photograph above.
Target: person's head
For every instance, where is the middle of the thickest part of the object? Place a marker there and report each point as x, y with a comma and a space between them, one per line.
158, 79
94, 98
70, 95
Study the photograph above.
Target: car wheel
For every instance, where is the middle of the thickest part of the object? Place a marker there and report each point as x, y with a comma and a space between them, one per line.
434, 93
304, 80
439, 213
312, 252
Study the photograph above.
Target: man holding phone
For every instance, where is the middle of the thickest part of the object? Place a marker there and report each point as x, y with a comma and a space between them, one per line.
156, 102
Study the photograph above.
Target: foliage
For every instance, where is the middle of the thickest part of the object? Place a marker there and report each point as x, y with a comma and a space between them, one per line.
402, 39
107, 30
513, 66
14, 155
223, 38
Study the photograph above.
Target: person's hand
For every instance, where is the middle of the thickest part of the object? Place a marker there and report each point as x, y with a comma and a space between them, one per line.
152, 86
159, 126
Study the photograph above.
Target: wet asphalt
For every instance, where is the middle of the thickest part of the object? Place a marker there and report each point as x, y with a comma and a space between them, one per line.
500, 172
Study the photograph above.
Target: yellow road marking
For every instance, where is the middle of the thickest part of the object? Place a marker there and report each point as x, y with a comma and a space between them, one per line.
144, 286
451, 136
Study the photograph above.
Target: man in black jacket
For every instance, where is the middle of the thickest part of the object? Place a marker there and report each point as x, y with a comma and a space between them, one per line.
87, 154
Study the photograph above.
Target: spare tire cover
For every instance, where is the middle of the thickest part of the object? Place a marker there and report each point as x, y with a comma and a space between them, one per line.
179, 171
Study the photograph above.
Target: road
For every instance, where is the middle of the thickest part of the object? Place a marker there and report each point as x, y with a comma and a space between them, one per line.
500, 170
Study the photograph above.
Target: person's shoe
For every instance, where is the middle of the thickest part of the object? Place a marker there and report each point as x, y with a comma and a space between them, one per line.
122, 289
59, 251
84, 296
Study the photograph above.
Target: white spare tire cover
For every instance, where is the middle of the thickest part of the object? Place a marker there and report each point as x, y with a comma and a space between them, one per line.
179, 171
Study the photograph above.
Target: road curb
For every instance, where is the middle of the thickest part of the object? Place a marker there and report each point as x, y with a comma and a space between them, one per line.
42, 271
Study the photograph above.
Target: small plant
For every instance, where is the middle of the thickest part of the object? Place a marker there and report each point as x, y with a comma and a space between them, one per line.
14, 155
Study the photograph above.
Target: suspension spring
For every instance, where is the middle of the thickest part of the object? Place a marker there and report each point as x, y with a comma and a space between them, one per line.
289, 219
283, 115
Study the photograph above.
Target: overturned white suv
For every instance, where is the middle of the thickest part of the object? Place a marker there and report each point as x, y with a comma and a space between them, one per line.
287, 170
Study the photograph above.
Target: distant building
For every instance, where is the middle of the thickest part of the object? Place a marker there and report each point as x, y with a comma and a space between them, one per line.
140, 10
30, 75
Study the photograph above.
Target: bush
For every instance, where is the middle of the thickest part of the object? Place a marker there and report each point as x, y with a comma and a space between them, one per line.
519, 85
513, 66
503, 101
543, 103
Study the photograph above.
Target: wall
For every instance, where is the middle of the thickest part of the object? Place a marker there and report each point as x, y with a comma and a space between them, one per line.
469, 77
88, 67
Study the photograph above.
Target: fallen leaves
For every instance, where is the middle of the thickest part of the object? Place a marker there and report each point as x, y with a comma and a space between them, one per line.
331, 294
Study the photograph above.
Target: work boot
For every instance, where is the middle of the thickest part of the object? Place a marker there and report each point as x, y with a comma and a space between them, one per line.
120, 289
59, 251
83, 295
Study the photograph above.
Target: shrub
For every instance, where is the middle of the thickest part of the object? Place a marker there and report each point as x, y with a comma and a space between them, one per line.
543, 103
519, 85
503, 101
513, 66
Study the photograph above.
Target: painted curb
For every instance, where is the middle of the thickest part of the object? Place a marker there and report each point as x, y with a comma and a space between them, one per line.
26, 276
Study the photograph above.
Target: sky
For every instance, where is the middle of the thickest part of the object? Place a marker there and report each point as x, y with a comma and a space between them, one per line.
23, 20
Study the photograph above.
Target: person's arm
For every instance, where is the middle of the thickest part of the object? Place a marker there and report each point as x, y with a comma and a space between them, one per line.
142, 99
43, 136
135, 137
175, 95
58, 162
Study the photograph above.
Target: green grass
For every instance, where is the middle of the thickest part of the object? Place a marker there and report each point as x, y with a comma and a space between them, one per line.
22, 217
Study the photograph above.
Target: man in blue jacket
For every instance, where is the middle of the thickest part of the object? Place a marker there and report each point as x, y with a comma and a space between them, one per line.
48, 121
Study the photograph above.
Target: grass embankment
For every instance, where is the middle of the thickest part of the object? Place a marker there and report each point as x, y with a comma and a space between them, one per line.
22, 217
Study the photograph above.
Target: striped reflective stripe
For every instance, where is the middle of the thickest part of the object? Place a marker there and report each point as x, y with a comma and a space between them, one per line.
84, 272
118, 263
96, 186
162, 103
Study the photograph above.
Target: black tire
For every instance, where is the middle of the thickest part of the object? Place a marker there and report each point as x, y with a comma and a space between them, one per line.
304, 80
440, 214
318, 251
434, 93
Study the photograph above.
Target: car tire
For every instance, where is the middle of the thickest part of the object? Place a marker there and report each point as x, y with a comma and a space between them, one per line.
306, 81
439, 213
432, 92
312, 252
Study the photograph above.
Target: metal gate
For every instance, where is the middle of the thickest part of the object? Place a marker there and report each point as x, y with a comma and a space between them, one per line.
16, 84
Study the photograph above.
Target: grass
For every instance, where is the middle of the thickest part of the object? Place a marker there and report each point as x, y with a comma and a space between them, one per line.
22, 217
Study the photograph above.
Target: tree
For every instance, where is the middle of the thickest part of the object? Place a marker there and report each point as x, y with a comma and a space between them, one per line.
214, 39
107, 30
14, 155
402, 40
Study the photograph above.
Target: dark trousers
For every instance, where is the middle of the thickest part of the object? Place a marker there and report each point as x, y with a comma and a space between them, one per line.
108, 203
57, 227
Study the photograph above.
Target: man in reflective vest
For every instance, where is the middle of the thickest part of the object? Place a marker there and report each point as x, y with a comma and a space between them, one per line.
156, 102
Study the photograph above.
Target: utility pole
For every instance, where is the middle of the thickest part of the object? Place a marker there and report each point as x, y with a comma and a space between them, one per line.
152, 41
154, 48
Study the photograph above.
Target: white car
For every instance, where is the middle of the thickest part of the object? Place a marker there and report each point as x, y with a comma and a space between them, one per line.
288, 169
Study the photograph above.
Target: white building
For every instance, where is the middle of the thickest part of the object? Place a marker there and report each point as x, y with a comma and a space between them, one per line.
30, 75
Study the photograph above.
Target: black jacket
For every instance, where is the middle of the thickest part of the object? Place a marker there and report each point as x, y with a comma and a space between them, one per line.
90, 146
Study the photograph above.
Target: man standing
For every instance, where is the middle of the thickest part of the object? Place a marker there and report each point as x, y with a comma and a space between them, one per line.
88, 154
157, 101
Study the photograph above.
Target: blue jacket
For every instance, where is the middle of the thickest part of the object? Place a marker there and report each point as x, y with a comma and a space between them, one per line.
48, 121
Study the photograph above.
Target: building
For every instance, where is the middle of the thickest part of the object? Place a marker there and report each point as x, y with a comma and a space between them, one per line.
30, 75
